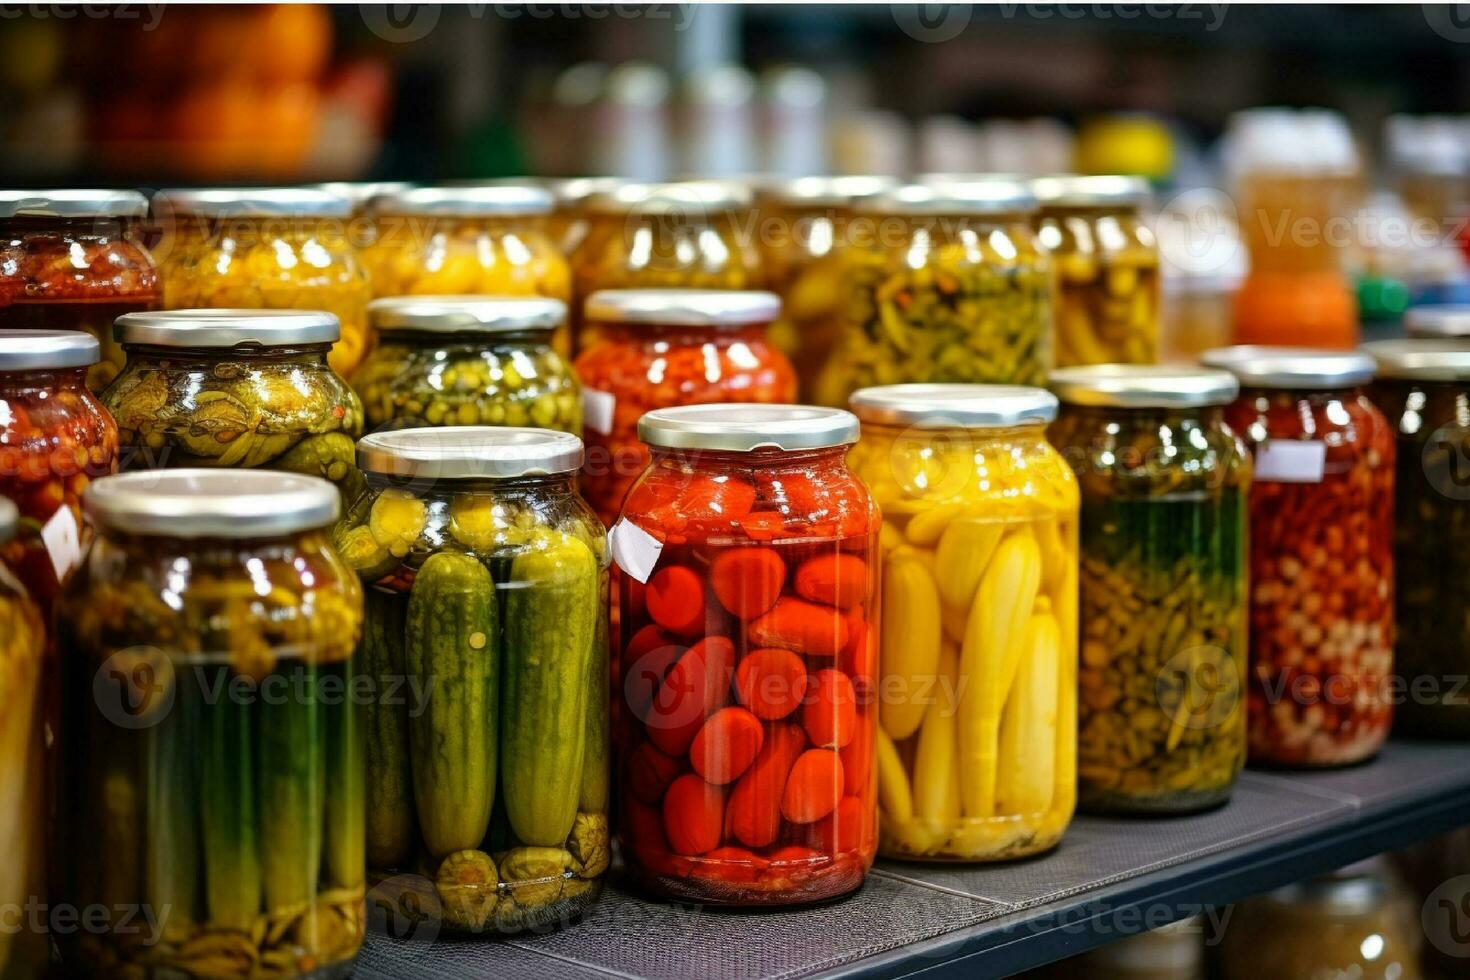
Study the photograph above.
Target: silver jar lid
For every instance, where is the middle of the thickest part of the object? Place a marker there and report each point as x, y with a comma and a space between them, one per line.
1291, 367
744, 428
1096, 191
960, 196
830, 192
466, 314
1144, 386
939, 406
574, 190
253, 202
1449, 320
227, 328
677, 197
683, 307
88, 203
469, 452
469, 200
210, 503
47, 350
1422, 359
360, 192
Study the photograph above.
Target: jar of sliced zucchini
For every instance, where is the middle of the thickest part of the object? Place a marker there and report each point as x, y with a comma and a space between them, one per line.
209, 767
486, 575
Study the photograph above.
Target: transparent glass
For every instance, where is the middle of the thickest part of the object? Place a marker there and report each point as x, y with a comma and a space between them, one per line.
208, 768
487, 788
744, 709
801, 254
977, 751
1163, 595
23, 952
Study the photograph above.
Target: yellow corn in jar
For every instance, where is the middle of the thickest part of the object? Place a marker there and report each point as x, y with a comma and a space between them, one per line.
977, 740
1107, 266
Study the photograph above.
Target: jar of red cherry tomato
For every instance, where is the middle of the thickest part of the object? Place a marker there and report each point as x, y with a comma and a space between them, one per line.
658, 348
1321, 554
55, 438
745, 685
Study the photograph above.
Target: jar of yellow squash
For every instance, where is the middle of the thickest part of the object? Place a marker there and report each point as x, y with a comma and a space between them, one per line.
282, 248
977, 741
1107, 269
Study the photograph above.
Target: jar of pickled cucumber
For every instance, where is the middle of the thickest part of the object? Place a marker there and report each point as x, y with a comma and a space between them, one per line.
209, 773
468, 360
945, 283
977, 743
234, 388
23, 952
660, 348
746, 688
1321, 553
1107, 266
1423, 387
1164, 483
486, 575
283, 248
75, 260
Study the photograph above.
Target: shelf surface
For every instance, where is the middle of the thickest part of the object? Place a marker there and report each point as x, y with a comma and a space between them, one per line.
1109, 877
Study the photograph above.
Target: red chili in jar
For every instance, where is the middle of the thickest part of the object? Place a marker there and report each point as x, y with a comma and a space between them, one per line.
746, 720
1321, 554
660, 348
55, 438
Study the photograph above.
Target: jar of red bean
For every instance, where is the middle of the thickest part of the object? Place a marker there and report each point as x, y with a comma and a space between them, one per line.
745, 686
1321, 554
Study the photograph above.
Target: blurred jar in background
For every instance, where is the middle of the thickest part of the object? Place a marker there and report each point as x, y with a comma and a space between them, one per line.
631, 132
1202, 263
1126, 143
1438, 874
362, 193
793, 121
1175, 952
569, 220
718, 122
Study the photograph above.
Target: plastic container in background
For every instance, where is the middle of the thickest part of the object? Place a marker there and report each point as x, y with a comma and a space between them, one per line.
1164, 480
1438, 322
977, 749
746, 686
208, 758
1321, 554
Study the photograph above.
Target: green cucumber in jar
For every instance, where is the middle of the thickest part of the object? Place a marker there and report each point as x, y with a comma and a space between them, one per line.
232, 878
592, 797
173, 862
291, 771
344, 834
391, 824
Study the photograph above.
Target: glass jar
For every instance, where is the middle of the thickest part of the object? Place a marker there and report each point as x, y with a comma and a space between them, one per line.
486, 584
660, 348
1423, 387
208, 771
1437, 873
1321, 554
1163, 586
55, 438
945, 283
747, 706
977, 751
23, 952
1172, 952
74, 260
468, 360
569, 218
235, 388
285, 248
1107, 266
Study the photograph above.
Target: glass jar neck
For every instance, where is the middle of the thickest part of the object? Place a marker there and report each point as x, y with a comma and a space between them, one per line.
1150, 416
681, 335
71, 228
1315, 396
313, 354
553, 486
1021, 432
720, 460
73, 380
479, 339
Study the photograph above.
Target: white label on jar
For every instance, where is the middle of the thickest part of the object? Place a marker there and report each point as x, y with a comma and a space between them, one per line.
1291, 461
63, 541
634, 549
597, 410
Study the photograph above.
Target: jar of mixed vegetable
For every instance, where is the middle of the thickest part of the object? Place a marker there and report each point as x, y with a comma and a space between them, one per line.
55, 438
746, 680
659, 348
468, 360
1423, 387
945, 283
1107, 266
284, 248
1163, 662
977, 747
236, 388
74, 260
1321, 553
209, 773
486, 575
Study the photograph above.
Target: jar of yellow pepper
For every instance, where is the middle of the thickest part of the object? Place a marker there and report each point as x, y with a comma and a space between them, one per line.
1107, 269
977, 742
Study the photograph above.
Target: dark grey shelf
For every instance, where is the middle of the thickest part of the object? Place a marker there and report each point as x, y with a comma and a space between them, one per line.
1110, 877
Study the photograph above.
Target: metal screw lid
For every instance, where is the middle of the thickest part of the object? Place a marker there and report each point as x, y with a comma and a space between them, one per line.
470, 200
1449, 320
748, 427
211, 503
71, 203
938, 406
469, 452
1144, 386
961, 196
1291, 367
361, 192
692, 197
1075, 191
9, 520
227, 328
466, 314
47, 350
253, 202
829, 192
683, 307
1422, 359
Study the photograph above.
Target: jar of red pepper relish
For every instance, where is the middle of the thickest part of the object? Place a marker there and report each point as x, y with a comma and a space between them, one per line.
745, 685
658, 348
55, 438
1321, 554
